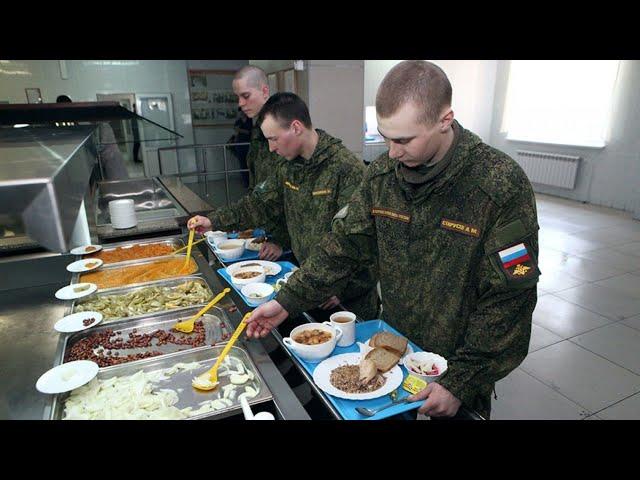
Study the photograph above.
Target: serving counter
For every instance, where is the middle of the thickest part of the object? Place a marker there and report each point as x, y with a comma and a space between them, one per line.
29, 345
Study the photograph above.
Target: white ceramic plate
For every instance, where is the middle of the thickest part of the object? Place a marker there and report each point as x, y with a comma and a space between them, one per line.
366, 348
67, 293
271, 268
67, 377
73, 322
83, 250
323, 371
81, 265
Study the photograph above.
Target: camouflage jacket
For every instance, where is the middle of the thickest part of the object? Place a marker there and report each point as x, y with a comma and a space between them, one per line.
450, 279
260, 161
303, 196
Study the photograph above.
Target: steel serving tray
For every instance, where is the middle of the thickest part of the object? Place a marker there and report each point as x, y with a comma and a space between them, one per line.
171, 282
113, 266
181, 382
216, 323
173, 241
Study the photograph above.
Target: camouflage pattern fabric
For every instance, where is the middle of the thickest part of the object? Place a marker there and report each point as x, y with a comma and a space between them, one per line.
301, 197
260, 161
448, 279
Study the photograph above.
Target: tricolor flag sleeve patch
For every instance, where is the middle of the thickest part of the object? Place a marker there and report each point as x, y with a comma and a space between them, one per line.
517, 262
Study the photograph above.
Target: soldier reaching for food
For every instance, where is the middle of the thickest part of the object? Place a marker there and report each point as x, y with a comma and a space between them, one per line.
451, 224
303, 194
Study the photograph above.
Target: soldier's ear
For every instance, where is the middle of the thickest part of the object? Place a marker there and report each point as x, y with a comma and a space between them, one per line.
446, 120
297, 127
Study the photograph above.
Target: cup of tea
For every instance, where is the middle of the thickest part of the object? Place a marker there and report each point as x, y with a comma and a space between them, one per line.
346, 321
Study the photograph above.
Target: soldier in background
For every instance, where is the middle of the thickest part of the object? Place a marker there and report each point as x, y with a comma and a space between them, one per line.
251, 86
317, 178
451, 224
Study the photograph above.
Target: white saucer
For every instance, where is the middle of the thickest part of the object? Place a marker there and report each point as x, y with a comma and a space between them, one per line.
83, 249
81, 265
73, 322
67, 376
67, 293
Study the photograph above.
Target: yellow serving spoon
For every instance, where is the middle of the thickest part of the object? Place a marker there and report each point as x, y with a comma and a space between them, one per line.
189, 245
183, 248
209, 379
187, 325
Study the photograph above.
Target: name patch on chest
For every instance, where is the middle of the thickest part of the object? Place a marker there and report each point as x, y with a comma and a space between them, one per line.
460, 227
321, 192
393, 214
291, 185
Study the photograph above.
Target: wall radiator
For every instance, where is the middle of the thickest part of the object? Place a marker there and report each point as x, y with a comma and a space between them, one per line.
549, 168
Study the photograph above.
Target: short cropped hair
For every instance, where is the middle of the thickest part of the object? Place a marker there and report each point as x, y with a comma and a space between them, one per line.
255, 76
285, 107
422, 83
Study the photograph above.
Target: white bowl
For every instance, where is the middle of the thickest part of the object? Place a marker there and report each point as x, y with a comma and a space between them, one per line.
263, 289
440, 362
314, 353
216, 237
253, 248
245, 281
232, 253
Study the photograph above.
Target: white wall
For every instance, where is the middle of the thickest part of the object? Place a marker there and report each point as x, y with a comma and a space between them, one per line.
608, 176
336, 101
472, 81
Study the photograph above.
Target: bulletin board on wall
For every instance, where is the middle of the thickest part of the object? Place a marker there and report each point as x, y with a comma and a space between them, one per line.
213, 102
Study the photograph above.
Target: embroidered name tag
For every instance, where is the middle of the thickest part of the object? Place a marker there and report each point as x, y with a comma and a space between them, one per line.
385, 212
460, 227
291, 185
321, 192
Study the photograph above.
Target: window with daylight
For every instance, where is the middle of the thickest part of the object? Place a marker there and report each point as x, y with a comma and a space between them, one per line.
566, 102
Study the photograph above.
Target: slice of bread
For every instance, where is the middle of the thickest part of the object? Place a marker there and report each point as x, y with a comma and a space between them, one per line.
389, 341
383, 359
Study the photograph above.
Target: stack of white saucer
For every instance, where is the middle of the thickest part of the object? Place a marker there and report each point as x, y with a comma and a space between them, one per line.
123, 213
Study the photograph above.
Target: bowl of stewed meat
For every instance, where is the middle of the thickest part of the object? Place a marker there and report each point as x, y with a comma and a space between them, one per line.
313, 342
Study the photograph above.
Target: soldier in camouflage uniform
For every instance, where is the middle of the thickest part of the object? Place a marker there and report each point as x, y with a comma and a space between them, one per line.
252, 89
451, 224
317, 178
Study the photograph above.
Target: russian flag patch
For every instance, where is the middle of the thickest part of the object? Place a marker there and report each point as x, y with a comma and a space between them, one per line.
516, 261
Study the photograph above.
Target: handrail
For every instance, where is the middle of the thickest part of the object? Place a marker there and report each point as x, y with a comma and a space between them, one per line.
204, 172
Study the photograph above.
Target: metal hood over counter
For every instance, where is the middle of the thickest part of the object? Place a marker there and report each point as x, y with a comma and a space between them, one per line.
44, 174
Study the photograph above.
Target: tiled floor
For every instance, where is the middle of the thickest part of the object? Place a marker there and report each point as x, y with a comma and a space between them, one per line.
584, 355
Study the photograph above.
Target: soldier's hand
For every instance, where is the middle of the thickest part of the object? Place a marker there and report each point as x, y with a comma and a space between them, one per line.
264, 318
199, 223
440, 402
332, 302
270, 251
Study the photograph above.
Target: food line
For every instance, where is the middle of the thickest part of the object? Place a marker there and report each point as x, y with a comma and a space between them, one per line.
143, 325
283, 402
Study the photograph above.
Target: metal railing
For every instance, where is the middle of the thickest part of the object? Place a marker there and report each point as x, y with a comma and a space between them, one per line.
204, 172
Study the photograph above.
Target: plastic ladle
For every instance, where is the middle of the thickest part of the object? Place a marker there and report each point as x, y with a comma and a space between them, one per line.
187, 325
248, 414
209, 379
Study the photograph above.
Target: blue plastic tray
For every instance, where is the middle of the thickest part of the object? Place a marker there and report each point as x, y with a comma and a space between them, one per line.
271, 279
347, 408
248, 254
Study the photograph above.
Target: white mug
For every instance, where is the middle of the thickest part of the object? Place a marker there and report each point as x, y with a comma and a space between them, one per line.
348, 328
285, 279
